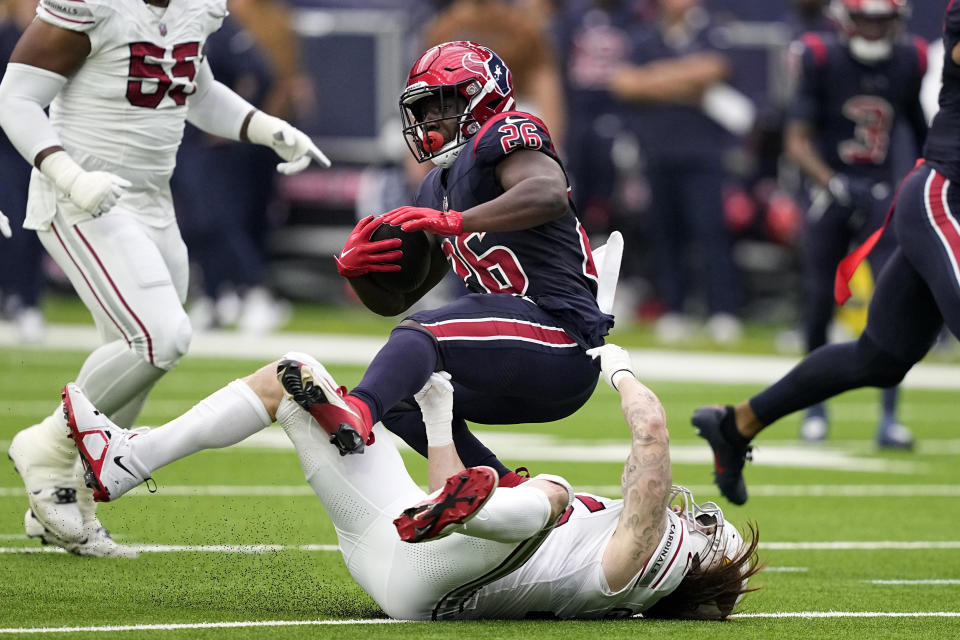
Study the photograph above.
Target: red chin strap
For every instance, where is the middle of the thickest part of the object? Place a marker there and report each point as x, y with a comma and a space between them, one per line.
432, 141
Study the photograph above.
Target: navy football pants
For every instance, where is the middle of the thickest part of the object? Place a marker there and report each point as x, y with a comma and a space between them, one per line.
918, 289
827, 239
510, 362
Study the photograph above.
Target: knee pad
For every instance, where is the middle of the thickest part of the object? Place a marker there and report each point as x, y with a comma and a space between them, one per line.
171, 342
882, 367
414, 328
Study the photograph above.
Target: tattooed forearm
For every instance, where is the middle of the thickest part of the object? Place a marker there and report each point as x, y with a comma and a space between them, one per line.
646, 476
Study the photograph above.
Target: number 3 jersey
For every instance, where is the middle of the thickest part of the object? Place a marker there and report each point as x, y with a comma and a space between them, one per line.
564, 578
125, 107
853, 107
550, 264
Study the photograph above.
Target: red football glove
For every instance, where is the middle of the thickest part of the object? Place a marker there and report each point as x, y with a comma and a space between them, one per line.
443, 223
360, 255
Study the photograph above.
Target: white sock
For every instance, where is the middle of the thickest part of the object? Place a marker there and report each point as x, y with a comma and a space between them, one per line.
220, 420
512, 514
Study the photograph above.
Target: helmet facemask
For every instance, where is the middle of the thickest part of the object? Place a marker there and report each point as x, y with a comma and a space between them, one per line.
871, 26
714, 539
437, 108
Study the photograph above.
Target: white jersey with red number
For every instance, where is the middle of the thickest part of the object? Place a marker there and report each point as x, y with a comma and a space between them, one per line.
124, 110
565, 579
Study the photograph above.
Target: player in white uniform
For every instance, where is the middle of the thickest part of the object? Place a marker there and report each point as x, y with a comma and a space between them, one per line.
120, 78
533, 550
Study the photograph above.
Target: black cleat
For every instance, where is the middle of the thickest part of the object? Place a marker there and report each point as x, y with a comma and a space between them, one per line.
322, 399
728, 458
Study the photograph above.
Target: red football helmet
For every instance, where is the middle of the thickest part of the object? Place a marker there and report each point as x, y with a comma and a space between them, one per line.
871, 26
470, 84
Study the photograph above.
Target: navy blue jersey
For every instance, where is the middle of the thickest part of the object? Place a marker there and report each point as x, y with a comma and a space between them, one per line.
550, 264
942, 150
854, 107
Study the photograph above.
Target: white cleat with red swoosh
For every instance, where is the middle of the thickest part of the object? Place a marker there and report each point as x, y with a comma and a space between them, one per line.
112, 468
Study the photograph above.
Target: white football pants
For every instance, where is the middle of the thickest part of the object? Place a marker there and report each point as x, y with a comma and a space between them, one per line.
133, 279
363, 493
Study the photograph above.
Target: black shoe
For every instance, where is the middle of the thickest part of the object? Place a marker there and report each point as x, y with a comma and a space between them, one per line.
318, 395
728, 458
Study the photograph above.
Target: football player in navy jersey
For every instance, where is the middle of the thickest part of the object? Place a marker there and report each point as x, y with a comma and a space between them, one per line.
498, 208
917, 291
854, 88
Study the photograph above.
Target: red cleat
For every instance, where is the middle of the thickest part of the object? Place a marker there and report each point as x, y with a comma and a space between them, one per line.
514, 478
461, 498
346, 419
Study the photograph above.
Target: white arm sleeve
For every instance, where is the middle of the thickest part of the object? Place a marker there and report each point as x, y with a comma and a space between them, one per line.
216, 108
24, 93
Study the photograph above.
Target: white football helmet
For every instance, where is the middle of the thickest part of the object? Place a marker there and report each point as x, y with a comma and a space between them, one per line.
715, 541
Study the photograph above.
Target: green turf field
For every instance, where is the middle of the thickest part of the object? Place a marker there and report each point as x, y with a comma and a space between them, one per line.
865, 532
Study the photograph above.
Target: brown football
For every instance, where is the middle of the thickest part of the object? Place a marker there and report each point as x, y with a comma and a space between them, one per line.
414, 264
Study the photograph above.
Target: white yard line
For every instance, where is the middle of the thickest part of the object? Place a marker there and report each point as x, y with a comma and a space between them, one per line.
851, 614
653, 364
901, 545
914, 582
294, 623
198, 625
854, 545
756, 491
244, 549
541, 447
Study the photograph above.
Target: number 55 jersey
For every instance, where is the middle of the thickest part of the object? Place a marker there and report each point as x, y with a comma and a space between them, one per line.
550, 264
124, 109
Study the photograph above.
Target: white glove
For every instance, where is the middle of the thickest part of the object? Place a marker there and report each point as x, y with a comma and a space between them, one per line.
290, 143
436, 404
614, 363
5, 226
93, 191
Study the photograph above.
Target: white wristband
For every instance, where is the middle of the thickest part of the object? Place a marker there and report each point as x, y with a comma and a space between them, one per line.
439, 433
262, 127
61, 169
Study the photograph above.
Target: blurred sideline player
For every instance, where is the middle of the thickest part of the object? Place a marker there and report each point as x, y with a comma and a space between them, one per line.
499, 210
120, 79
21, 256
917, 291
594, 41
673, 64
854, 89
222, 191
535, 550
